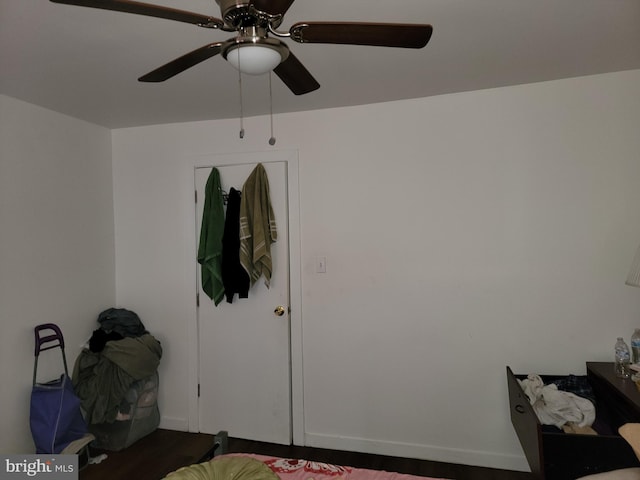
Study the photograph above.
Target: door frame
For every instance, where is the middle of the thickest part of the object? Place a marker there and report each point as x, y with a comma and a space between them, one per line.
290, 157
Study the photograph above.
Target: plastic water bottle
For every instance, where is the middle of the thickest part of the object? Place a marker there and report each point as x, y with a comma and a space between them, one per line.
635, 346
623, 359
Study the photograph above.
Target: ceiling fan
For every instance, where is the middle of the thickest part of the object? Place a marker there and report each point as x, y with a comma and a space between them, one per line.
255, 50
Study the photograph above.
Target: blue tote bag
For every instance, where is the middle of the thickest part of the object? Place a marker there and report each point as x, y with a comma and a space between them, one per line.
55, 416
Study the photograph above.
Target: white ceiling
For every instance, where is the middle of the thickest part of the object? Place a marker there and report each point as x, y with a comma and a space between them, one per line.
85, 62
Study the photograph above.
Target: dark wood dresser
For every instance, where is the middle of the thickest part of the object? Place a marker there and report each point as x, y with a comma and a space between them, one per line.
553, 454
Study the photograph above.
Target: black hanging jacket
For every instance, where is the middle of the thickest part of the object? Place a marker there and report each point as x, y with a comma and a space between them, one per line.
234, 278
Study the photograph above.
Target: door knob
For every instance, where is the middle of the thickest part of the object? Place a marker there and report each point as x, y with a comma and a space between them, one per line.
279, 311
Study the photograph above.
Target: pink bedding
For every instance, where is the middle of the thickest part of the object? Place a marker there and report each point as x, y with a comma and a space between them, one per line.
291, 469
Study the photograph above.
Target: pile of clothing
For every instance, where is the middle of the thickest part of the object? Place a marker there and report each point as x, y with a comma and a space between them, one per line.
121, 352
568, 403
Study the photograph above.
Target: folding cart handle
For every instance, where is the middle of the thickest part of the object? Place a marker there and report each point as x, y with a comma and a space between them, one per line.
41, 340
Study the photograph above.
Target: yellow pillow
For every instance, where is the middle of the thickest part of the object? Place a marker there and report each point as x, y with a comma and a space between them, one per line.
225, 468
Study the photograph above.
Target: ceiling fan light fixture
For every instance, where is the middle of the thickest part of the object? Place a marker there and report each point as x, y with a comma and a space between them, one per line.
254, 59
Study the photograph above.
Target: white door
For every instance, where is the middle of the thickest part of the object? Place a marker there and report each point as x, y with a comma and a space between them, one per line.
244, 346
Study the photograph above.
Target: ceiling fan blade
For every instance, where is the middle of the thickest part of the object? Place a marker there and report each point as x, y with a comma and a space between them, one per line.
273, 7
149, 10
182, 63
402, 35
296, 76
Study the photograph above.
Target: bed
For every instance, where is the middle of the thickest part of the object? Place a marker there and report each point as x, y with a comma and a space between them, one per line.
240, 466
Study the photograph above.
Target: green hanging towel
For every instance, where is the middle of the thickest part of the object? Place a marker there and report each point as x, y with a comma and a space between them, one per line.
210, 248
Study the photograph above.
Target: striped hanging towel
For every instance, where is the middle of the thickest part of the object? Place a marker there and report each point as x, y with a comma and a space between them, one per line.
257, 226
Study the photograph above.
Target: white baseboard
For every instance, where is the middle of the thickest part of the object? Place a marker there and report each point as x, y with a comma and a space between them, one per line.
426, 452
174, 423
394, 449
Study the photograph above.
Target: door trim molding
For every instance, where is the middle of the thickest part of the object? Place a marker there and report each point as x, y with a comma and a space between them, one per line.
295, 285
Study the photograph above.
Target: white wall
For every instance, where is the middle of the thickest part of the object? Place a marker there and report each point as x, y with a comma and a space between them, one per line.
56, 247
463, 233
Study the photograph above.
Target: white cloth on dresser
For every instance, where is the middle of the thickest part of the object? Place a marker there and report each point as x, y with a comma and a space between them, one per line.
557, 407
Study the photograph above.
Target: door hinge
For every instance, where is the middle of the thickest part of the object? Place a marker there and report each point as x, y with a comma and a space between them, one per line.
195, 194
198, 390
197, 299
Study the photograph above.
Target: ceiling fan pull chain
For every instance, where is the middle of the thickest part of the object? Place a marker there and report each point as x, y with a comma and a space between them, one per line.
241, 110
272, 140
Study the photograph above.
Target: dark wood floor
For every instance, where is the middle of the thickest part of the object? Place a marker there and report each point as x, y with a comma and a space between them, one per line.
152, 457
